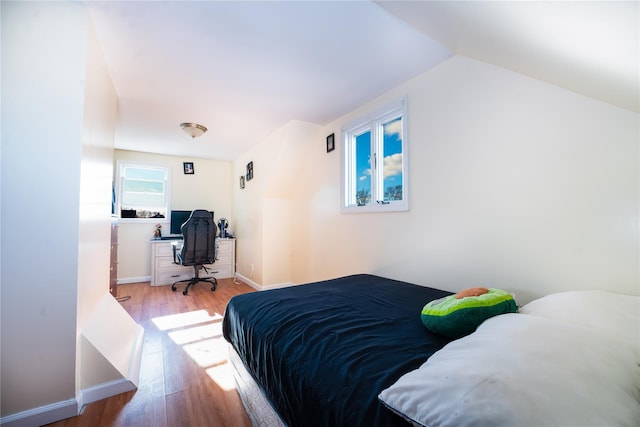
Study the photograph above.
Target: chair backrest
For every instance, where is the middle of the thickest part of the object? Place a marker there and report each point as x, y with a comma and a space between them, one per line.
199, 239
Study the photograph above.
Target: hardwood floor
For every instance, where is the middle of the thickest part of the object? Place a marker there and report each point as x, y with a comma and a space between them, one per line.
184, 376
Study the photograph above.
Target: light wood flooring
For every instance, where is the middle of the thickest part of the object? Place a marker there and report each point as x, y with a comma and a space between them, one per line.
184, 376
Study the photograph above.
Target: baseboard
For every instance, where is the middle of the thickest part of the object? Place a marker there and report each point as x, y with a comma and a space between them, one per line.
121, 385
259, 287
248, 281
72, 407
102, 391
43, 415
127, 280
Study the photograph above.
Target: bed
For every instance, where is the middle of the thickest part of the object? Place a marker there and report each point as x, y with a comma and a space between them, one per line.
352, 352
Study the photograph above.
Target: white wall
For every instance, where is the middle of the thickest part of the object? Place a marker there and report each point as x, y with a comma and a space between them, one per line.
264, 208
210, 188
43, 65
514, 183
100, 108
57, 144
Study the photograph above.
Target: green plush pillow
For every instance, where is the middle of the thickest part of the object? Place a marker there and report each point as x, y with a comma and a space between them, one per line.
455, 318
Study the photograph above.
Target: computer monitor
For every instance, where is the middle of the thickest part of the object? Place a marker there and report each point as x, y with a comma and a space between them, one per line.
178, 218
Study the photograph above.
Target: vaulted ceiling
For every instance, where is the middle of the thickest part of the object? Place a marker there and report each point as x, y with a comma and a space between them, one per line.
243, 68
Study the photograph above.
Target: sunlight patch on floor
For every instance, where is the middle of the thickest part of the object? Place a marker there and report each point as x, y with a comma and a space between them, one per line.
196, 333
208, 352
223, 376
199, 334
191, 318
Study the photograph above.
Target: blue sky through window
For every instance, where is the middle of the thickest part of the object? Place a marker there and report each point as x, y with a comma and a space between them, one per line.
363, 162
393, 158
375, 161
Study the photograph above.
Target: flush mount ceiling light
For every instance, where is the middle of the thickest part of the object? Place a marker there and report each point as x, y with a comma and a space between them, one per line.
193, 129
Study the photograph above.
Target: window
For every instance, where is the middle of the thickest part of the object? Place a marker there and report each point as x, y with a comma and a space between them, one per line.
375, 162
143, 191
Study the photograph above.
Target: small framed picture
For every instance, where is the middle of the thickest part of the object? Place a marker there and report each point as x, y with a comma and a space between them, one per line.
188, 168
249, 171
331, 142
241, 181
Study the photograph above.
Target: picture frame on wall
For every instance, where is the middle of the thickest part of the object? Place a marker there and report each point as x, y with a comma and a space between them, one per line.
188, 168
249, 171
331, 142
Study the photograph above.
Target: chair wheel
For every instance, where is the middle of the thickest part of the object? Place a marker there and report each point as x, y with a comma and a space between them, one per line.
173, 288
213, 288
184, 292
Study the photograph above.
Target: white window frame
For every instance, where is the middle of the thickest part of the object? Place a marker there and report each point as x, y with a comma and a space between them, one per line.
373, 122
120, 165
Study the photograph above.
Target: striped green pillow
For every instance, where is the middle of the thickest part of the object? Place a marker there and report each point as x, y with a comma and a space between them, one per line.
455, 318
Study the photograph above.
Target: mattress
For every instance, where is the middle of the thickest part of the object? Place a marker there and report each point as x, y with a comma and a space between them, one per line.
322, 352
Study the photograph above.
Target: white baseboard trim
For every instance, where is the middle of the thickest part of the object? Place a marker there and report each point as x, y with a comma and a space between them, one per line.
127, 280
70, 408
43, 415
249, 282
120, 385
259, 287
102, 391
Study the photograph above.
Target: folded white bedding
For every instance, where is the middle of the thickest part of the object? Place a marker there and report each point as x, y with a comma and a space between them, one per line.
566, 360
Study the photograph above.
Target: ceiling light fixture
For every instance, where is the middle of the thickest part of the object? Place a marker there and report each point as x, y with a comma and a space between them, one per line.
193, 129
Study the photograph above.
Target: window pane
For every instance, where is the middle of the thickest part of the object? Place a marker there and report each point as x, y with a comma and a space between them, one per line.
147, 174
392, 168
135, 186
363, 168
375, 162
140, 200
144, 189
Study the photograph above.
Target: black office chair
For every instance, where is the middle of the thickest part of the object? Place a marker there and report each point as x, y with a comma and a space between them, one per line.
198, 248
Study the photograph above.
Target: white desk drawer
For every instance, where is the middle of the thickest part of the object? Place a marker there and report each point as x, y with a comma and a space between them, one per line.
222, 271
223, 258
169, 276
166, 248
164, 262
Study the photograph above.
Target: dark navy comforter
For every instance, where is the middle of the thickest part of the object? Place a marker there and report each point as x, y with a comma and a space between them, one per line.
322, 352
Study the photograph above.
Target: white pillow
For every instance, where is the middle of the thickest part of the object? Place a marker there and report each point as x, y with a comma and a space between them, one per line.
523, 370
611, 313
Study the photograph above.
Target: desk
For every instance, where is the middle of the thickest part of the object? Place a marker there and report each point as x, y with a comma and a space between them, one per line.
164, 271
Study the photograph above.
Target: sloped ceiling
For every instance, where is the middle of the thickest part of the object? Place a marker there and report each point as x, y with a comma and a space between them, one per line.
592, 48
244, 69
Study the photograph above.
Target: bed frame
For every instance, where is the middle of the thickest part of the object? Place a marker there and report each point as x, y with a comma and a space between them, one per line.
258, 407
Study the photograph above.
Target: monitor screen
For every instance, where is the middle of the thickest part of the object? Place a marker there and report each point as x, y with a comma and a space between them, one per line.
178, 218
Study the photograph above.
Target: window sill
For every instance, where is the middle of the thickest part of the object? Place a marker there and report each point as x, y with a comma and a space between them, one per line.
142, 220
392, 207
